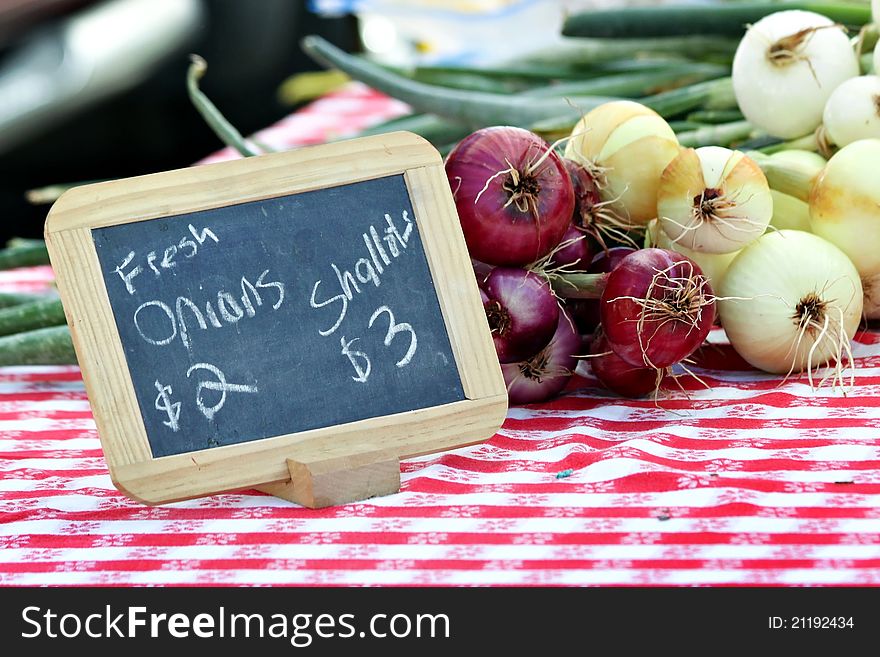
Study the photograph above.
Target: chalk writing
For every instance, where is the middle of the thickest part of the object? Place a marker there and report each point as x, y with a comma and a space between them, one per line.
366, 270
163, 403
189, 247
395, 328
220, 385
159, 324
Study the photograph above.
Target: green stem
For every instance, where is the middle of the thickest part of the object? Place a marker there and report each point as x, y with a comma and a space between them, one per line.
633, 85
792, 178
715, 116
218, 123
434, 128
45, 346
33, 315
579, 286
473, 108
9, 299
728, 19
51, 193
24, 256
724, 134
590, 52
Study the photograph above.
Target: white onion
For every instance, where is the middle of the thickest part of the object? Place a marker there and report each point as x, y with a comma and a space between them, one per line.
713, 200
853, 111
789, 213
791, 302
877, 59
786, 67
626, 146
845, 204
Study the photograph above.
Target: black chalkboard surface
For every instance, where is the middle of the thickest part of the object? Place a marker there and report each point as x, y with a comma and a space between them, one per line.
277, 316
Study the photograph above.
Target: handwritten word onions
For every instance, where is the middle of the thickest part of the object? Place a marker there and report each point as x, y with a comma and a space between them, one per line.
713, 200
853, 111
657, 308
513, 195
786, 67
626, 146
791, 302
545, 374
521, 310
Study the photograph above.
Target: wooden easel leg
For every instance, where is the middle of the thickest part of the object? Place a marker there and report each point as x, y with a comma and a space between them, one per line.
328, 482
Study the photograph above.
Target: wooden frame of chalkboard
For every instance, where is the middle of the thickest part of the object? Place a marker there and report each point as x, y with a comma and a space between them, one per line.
319, 466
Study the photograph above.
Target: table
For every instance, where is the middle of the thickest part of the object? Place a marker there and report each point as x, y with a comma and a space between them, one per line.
753, 481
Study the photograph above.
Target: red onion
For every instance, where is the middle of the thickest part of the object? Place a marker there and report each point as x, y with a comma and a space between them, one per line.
574, 251
657, 308
544, 375
591, 215
585, 312
616, 374
521, 310
513, 195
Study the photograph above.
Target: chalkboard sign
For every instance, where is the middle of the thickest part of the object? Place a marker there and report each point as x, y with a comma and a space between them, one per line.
296, 307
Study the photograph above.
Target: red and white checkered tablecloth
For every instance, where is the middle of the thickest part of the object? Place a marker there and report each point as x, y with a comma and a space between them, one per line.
750, 482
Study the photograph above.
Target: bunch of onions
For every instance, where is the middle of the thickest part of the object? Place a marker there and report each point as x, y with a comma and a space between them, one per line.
844, 200
713, 200
786, 67
513, 194
791, 302
853, 111
625, 146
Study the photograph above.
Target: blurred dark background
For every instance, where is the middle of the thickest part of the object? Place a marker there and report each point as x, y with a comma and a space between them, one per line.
251, 48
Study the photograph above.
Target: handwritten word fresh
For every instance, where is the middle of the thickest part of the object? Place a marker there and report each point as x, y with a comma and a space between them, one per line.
382, 250
187, 246
159, 324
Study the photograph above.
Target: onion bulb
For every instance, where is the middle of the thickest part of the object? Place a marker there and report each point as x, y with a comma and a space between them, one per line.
616, 374
521, 310
877, 59
853, 111
791, 302
713, 200
545, 374
845, 210
513, 195
713, 265
625, 146
657, 308
789, 213
786, 67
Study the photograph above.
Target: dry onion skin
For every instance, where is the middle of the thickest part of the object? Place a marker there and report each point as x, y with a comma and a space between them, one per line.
625, 146
713, 200
845, 210
714, 265
786, 67
853, 111
791, 302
